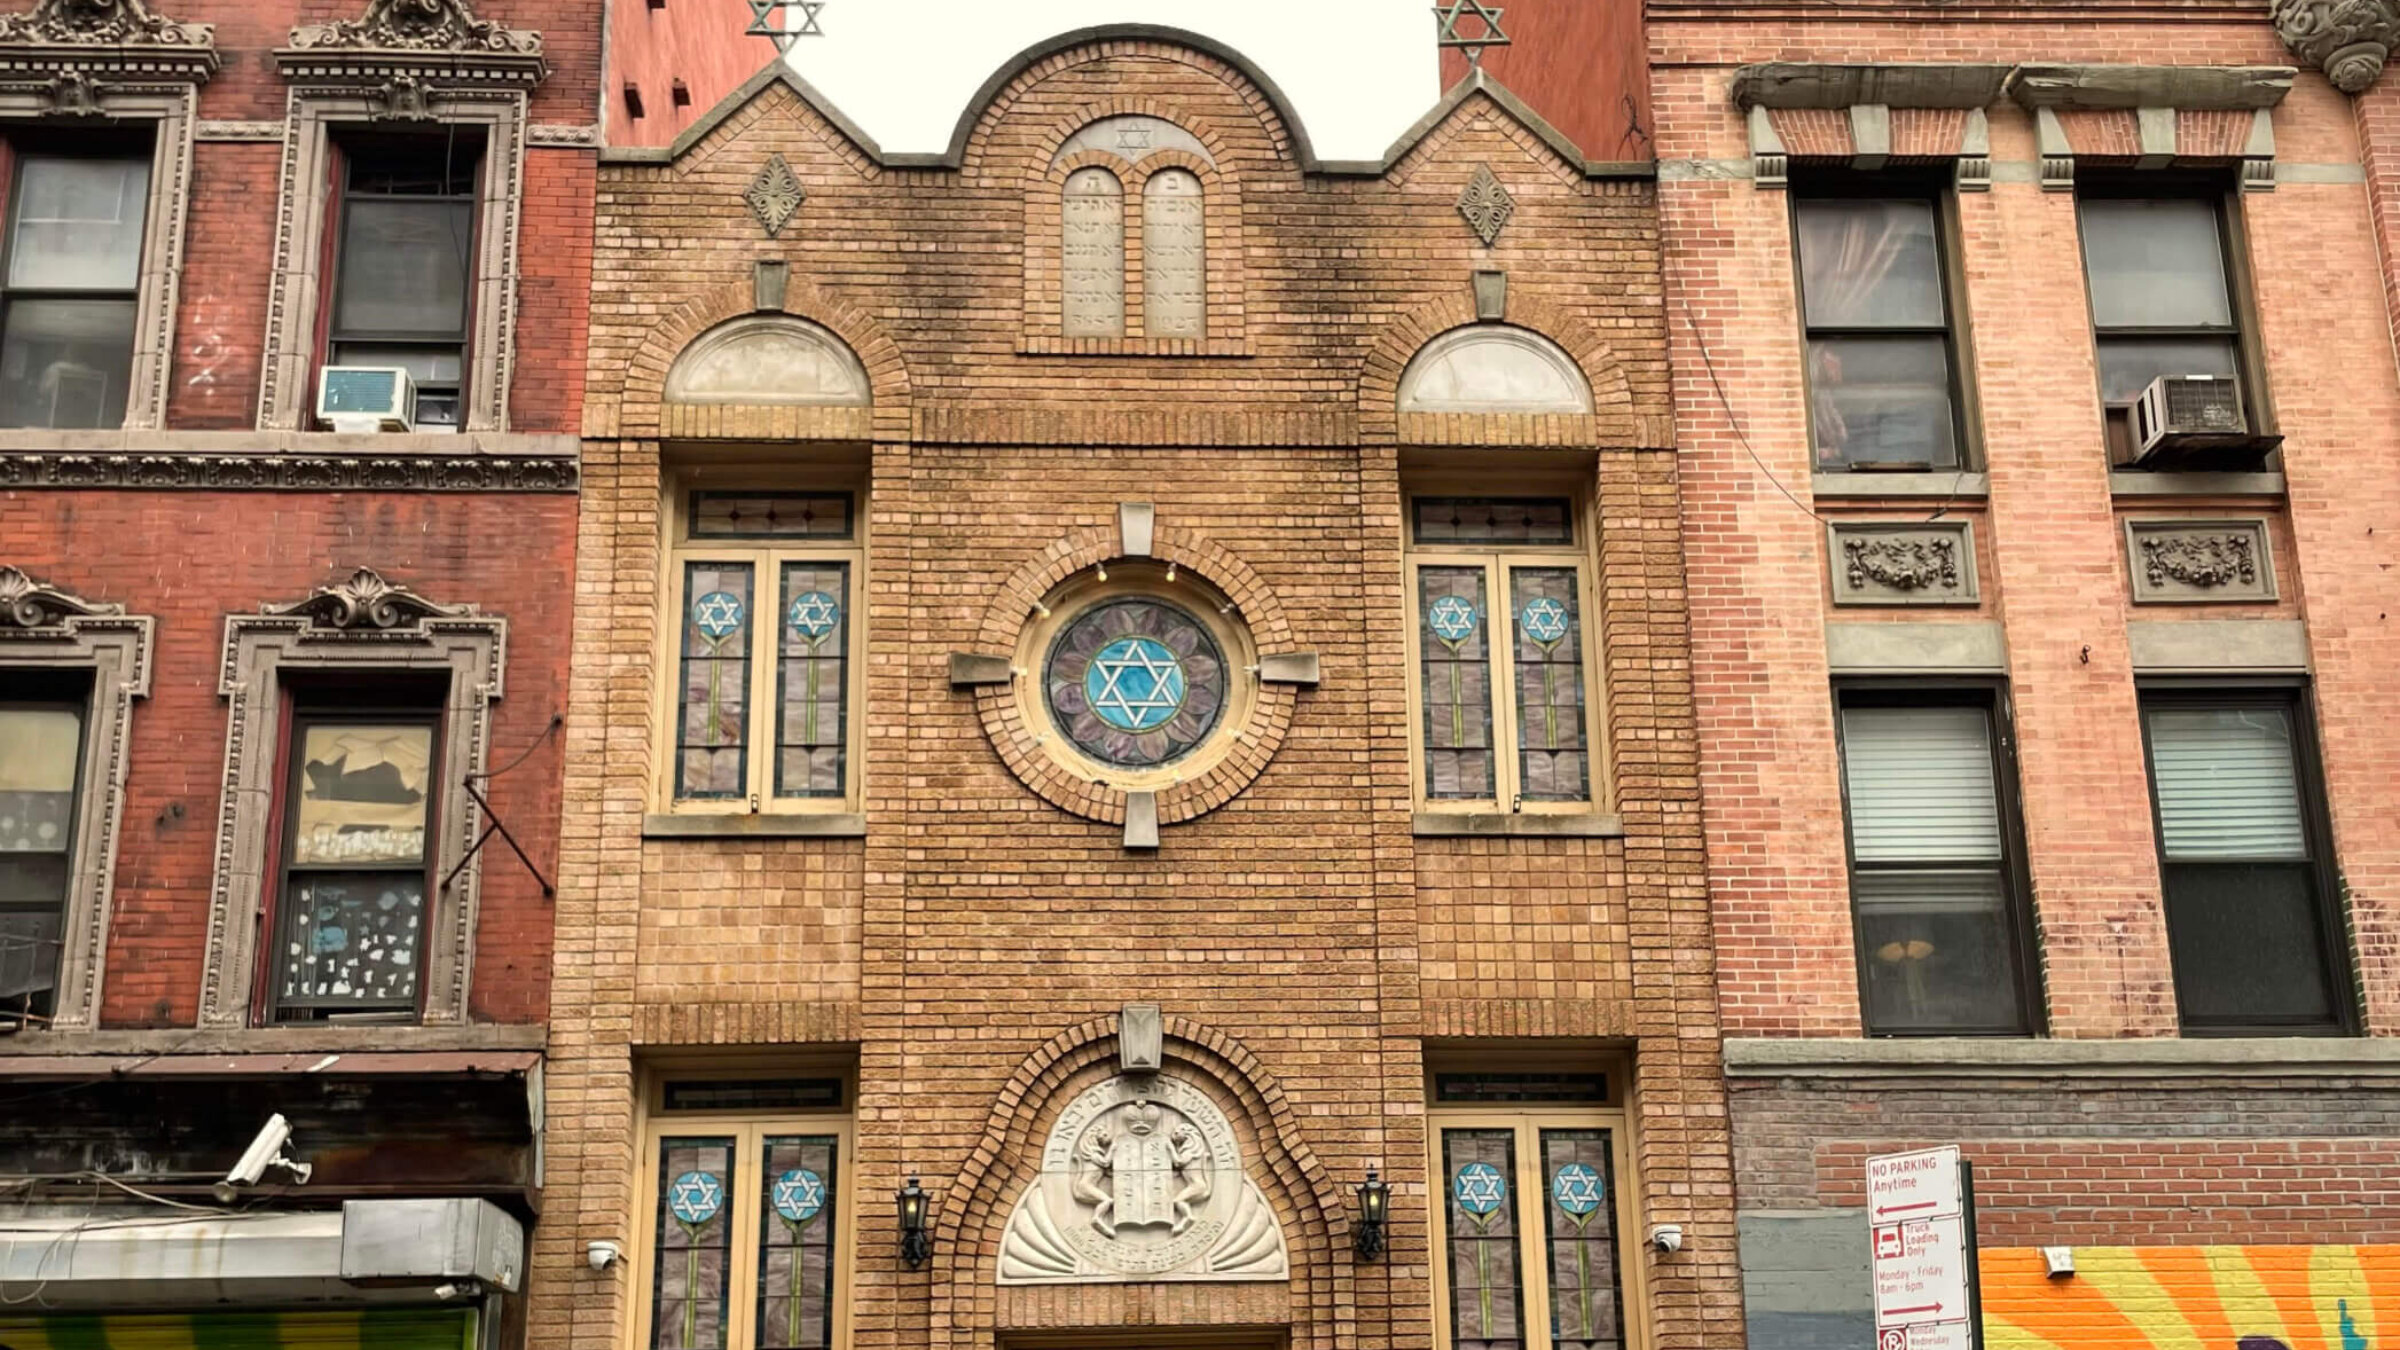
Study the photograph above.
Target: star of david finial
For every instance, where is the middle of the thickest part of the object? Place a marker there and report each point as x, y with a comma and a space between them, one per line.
1141, 684
1457, 11
785, 35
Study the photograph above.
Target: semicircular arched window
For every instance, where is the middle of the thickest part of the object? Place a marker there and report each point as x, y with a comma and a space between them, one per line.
1491, 368
769, 359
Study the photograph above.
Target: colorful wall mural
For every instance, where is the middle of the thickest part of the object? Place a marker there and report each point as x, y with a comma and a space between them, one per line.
2195, 1298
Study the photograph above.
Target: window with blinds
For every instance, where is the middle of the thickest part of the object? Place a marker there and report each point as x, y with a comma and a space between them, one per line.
2255, 943
1940, 916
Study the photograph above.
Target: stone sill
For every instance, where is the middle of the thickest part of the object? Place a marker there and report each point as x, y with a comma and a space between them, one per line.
140, 442
1500, 824
323, 1038
1981, 1057
1962, 485
828, 825
2138, 483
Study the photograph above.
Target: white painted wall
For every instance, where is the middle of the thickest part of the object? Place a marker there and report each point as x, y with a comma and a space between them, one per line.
1359, 72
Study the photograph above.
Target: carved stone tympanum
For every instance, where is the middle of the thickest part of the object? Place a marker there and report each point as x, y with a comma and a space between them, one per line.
418, 25
1142, 1180
2347, 39
103, 23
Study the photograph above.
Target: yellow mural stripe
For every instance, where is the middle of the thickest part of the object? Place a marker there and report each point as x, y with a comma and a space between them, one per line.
2248, 1304
2119, 1272
2185, 1272
2001, 1334
2337, 1284
2068, 1312
2285, 1273
2382, 1266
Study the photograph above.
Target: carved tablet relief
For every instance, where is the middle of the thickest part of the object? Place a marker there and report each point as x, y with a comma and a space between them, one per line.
1092, 255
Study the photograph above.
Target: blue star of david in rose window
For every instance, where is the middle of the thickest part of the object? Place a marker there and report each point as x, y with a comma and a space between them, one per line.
1135, 684
1577, 1188
717, 614
1545, 620
1452, 619
814, 615
799, 1194
695, 1198
1480, 1188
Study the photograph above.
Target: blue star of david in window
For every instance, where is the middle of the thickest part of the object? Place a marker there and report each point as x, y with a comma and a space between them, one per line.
814, 615
1135, 684
695, 1198
1577, 1188
1480, 1188
1544, 620
1453, 619
799, 1194
717, 614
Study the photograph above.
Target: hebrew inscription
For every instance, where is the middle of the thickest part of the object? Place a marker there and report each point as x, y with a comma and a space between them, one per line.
1174, 257
1092, 255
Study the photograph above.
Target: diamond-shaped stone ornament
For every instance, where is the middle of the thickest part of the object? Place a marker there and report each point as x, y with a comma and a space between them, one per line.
1486, 205
775, 196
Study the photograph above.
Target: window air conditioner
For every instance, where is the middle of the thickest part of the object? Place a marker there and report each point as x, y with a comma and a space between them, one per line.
2196, 422
367, 398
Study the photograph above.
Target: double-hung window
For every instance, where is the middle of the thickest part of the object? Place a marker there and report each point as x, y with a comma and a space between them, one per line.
746, 1193
1531, 1204
73, 266
2252, 919
764, 590
1937, 879
41, 751
2163, 302
1881, 360
350, 914
1506, 719
405, 264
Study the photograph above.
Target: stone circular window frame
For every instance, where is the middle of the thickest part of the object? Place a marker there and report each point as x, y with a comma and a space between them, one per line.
1211, 585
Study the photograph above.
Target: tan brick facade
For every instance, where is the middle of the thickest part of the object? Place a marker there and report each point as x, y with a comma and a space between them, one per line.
970, 950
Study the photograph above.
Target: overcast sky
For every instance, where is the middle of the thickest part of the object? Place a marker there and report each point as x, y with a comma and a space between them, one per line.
1360, 72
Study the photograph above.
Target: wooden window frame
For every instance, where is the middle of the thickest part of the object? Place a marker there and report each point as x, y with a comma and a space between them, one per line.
2298, 698
1990, 697
1933, 186
1580, 554
12, 164
1529, 1192
749, 1128
342, 159
767, 559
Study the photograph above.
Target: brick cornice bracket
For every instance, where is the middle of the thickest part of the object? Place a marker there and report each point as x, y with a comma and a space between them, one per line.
2347, 39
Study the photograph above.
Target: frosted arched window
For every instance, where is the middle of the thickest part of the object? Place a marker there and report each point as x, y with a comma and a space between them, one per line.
769, 359
1092, 255
1174, 256
1491, 368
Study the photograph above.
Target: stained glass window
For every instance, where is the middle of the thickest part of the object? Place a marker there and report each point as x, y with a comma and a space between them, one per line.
1493, 520
712, 741
796, 1242
815, 657
40, 748
694, 1247
770, 515
1453, 641
1136, 682
1486, 1294
351, 922
1579, 1214
1552, 763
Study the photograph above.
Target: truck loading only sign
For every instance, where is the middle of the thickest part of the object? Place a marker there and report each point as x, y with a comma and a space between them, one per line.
1921, 1213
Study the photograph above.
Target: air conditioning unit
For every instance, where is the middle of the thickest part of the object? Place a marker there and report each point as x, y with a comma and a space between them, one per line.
366, 398
2196, 422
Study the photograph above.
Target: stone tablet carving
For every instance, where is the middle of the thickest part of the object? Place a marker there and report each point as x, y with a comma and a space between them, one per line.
1174, 257
1091, 249
1142, 1180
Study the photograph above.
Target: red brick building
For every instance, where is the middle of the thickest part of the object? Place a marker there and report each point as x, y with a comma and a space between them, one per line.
292, 310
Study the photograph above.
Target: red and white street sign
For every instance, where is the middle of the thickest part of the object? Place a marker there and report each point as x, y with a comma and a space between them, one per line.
1915, 1207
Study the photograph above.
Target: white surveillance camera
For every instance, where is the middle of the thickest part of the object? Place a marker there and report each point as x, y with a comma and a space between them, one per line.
460, 1289
1667, 1237
264, 1152
602, 1253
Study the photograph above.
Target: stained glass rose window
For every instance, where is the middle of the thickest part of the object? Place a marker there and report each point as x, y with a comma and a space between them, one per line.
1135, 682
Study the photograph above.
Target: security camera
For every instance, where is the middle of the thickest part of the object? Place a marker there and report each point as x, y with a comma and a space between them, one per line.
264, 1152
602, 1253
1667, 1237
458, 1289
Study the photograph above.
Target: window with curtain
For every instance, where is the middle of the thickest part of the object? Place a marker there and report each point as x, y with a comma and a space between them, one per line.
1938, 900
1505, 706
748, 1223
74, 261
1530, 1211
2162, 302
2252, 924
41, 756
763, 604
404, 267
1880, 360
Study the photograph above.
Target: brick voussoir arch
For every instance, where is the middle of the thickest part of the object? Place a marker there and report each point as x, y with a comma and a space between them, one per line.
1165, 46
1401, 340
1038, 168
1021, 599
1006, 1158
643, 396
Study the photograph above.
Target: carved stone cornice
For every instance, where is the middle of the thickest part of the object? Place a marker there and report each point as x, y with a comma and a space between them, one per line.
433, 42
366, 602
28, 606
2347, 39
101, 23
71, 51
291, 473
